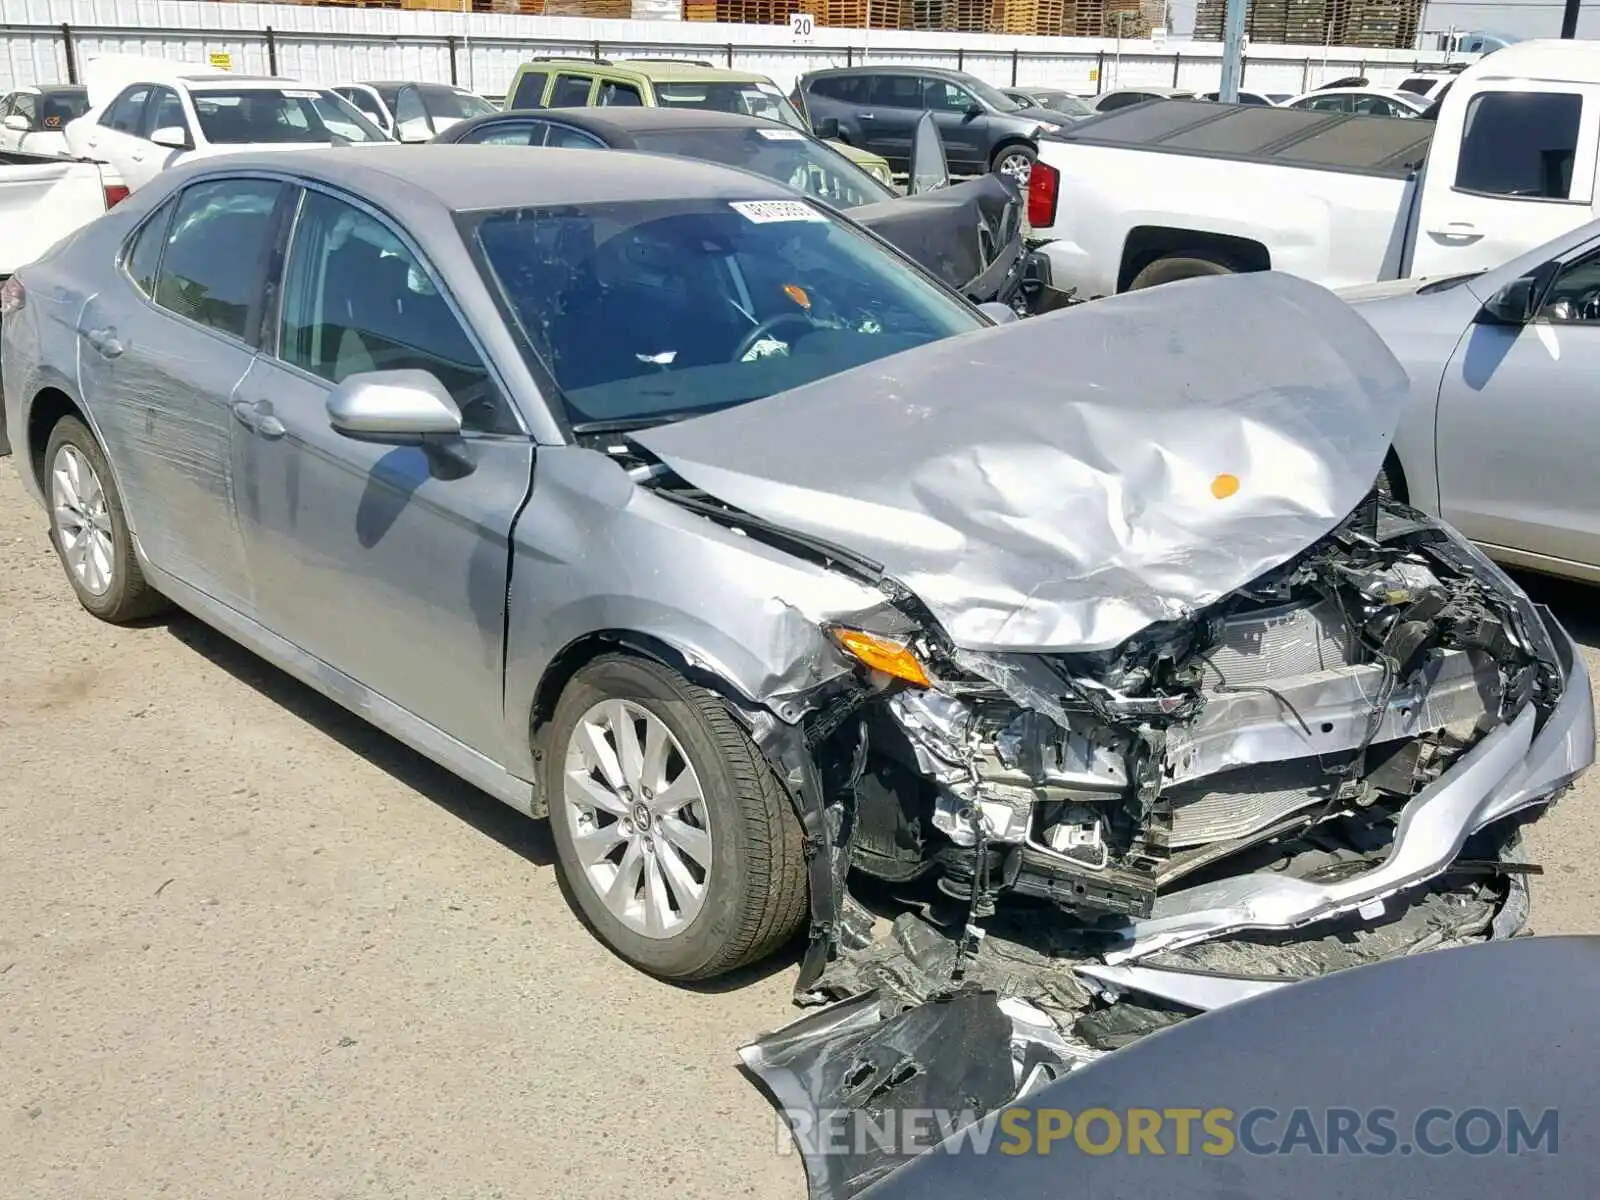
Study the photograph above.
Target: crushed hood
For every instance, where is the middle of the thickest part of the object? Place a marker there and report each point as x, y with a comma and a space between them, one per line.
1063, 482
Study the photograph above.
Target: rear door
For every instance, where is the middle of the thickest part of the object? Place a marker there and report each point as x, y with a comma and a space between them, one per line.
161, 350
115, 138
1518, 426
387, 563
1511, 168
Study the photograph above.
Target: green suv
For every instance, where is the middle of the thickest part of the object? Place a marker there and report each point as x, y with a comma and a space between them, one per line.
666, 83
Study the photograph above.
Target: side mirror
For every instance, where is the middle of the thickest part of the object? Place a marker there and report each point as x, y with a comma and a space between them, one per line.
930, 170
1518, 302
400, 408
172, 137
974, 110
1000, 314
827, 129
18, 123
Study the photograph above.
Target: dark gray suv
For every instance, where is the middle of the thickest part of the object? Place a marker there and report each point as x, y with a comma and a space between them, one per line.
876, 108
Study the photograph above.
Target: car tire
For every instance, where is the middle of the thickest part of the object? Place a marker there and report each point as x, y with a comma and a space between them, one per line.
1014, 162
1174, 267
89, 528
672, 914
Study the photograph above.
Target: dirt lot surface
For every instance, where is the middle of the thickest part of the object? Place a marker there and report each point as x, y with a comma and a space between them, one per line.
251, 948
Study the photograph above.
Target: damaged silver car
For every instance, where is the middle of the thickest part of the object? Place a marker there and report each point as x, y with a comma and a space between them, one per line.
677, 509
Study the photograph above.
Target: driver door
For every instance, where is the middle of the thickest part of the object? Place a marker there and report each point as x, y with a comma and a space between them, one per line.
388, 563
965, 136
1517, 435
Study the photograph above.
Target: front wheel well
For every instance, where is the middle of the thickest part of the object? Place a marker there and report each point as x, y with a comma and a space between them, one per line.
1147, 243
48, 408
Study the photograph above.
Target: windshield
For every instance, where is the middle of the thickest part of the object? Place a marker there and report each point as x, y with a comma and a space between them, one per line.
451, 104
251, 115
1065, 102
786, 155
748, 99
655, 309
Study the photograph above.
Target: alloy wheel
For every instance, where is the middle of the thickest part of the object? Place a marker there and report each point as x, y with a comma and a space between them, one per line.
1018, 167
83, 521
637, 816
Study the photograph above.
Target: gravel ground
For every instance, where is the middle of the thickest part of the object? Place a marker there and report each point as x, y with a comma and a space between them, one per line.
252, 948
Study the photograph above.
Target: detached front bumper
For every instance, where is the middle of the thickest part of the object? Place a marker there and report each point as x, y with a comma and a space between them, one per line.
1512, 767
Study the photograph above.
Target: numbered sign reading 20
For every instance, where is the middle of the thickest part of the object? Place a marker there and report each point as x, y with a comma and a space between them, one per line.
802, 26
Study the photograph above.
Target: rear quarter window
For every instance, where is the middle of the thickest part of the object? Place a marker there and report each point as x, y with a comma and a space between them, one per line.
530, 90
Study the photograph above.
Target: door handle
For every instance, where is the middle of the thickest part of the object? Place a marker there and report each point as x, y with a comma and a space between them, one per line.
104, 341
137, 156
258, 419
867, 116
1456, 229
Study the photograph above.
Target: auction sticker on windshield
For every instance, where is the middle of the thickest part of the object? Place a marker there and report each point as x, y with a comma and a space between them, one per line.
781, 135
764, 212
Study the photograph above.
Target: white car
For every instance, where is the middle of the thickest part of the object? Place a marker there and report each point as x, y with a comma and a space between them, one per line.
34, 120
156, 121
410, 111
1363, 102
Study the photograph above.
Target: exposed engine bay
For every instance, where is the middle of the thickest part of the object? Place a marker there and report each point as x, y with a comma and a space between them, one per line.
1335, 687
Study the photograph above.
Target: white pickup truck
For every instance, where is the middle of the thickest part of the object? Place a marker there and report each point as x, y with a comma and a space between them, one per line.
1176, 188
42, 200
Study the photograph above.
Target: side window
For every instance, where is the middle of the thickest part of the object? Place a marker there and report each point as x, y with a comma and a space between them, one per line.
1122, 100
530, 90
568, 138
165, 111
1575, 295
508, 133
127, 110
1519, 144
1328, 104
850, 89
896, 91
410, 120
355, 298
571, 91
947, 97
620, 93
212, 269
24, 105
144, 254
366, 103
5, 106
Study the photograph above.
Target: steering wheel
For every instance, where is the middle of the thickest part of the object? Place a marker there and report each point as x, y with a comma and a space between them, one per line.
748, 342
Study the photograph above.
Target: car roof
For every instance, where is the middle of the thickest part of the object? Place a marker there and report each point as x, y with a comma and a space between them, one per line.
47, 89
614, 121
655, 70
228, 82
471, 178
893, 69
396, 83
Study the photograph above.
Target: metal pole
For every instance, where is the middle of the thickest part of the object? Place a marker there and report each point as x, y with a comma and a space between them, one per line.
70, 51
1569, 20
272, 52
1232, 51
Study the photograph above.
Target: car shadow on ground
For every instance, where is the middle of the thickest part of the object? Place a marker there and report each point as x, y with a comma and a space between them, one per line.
517, 833
528, 838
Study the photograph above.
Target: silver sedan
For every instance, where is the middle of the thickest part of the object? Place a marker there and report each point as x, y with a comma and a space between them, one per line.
647, 495
1500, 436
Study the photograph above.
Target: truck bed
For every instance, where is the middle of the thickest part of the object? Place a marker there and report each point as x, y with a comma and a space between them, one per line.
42, 199
1382, 146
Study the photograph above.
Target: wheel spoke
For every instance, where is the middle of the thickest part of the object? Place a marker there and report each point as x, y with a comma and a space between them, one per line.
599, 755
658, 913
598, 842
625, 883
685, 789
696, 843
629, 754
94, 497
592, 794
684, 886
657, 748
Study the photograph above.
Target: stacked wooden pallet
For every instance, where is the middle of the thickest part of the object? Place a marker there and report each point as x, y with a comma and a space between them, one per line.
1109, 18
862, 14
1048, 18
1380, 23
1376, 24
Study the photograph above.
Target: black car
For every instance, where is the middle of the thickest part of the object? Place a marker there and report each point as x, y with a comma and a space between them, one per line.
968, 235
877, 108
